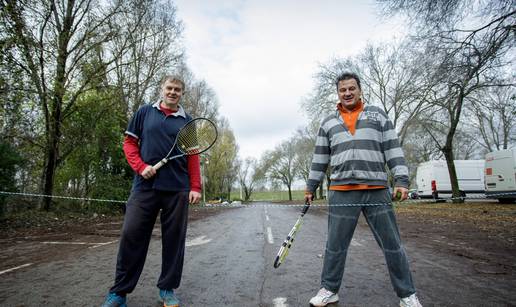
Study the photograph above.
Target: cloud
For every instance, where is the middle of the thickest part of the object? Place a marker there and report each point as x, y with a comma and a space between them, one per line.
260, 57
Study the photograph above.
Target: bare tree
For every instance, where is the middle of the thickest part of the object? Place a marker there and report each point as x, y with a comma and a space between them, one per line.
304, 143
279, 164
151, 45
199, 98
392, 78
494, 121
468, 40
249, 175
323, 97
430, 17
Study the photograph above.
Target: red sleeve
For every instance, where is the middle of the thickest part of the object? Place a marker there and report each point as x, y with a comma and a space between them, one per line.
132, 154
194, 172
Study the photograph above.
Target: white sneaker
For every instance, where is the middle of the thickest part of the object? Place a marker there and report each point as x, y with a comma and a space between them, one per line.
410, 301
324, 297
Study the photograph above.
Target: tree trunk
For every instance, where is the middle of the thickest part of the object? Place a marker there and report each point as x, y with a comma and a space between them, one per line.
52, 153
50, 167
247, 194
54, 133
448, 148
448, 154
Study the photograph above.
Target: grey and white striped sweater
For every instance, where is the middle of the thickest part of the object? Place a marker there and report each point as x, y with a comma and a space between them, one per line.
358, 158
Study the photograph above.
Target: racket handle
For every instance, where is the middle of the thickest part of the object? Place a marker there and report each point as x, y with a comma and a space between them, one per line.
159, 164
305, 208
397, 197
277, 262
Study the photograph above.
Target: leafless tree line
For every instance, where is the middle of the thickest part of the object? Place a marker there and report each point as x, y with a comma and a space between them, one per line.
448, 88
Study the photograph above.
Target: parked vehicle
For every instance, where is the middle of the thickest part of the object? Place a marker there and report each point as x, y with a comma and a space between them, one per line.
433, 178
412, 194
500, 175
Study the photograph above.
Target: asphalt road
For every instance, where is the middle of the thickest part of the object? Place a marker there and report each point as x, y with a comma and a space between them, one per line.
229, 262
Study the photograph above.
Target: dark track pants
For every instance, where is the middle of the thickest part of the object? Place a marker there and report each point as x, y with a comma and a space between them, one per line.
342, 221
141, 212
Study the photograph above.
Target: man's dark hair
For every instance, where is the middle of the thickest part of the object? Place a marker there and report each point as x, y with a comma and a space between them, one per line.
347, 76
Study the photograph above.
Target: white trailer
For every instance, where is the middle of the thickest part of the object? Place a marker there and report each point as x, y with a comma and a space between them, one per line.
433, 178
500, 175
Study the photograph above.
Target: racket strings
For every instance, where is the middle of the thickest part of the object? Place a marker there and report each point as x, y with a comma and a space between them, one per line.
196, 137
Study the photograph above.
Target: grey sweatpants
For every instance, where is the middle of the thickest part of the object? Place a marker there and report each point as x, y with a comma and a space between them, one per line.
342, 221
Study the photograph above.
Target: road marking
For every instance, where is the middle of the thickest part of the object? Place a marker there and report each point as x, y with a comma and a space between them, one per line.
72, 243
355, 243
111, 223
267, 218
15, 268
270, 238
102, 244
280, 302
94, 244
197, 241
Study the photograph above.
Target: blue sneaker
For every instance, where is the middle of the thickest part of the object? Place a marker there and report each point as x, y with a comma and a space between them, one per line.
114, 300
169, 298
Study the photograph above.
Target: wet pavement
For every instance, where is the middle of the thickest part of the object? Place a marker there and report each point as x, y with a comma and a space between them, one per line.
229, 262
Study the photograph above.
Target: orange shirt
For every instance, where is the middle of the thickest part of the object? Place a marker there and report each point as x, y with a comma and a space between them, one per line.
350, 118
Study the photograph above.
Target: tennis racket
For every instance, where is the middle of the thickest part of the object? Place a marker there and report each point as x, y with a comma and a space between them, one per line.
285, 247
195, 137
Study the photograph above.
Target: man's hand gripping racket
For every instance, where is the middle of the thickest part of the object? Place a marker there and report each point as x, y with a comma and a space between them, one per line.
197, 136
285, 247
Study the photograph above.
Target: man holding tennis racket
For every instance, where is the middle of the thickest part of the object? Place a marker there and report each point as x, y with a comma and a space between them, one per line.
150, 135
358, 141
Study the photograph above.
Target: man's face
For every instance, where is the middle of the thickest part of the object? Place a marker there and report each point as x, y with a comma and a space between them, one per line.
171, 92
349, 93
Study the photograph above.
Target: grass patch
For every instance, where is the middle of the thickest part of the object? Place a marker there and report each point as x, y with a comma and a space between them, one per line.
272, 195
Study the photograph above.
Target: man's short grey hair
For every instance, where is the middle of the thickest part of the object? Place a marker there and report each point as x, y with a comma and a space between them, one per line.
172, 78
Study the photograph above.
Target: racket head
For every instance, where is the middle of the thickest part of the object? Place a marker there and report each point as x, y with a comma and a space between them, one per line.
197, 136
282, 254
285, 247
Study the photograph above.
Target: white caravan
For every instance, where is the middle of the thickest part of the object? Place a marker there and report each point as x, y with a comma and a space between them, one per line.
500, 175
433, 178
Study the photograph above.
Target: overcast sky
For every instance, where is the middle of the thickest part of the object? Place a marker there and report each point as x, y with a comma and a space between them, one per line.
260, 57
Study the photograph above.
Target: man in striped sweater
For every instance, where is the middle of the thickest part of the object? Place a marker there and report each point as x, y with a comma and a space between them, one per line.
358, 142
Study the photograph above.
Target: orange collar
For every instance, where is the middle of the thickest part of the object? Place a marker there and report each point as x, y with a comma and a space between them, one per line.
359, 107
350, 117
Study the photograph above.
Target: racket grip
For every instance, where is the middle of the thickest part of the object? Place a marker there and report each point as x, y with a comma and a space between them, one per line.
277, 262
305, 208
159, 164
397, 197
